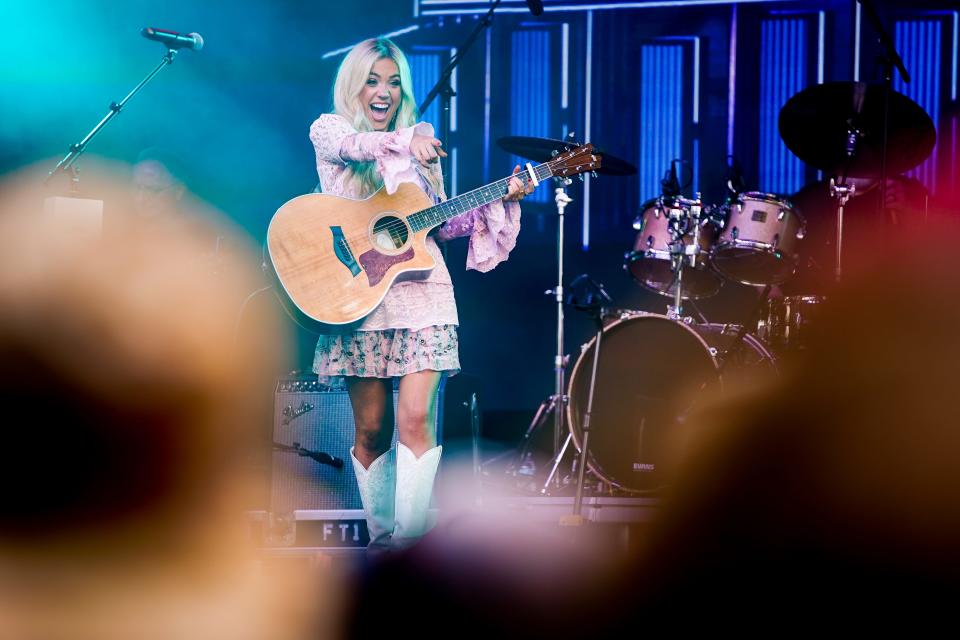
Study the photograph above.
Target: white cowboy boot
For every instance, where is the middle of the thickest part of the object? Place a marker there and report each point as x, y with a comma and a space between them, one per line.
414, 489
377, 484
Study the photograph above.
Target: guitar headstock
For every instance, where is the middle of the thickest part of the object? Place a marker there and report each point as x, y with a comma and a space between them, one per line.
573, 161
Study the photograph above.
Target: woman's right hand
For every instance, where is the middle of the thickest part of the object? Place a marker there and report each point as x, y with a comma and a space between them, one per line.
426, 149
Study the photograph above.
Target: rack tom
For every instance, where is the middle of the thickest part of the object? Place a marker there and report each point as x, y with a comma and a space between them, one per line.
651, 262
758, 243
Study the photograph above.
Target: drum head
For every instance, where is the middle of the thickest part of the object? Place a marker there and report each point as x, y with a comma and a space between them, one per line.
753, 265
650, 373
656, 275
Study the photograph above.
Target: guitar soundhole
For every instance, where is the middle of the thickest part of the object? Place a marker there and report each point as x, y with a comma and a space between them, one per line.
389, 234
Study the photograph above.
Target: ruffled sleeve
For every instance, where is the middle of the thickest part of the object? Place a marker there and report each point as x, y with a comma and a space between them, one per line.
493, 230
336, 141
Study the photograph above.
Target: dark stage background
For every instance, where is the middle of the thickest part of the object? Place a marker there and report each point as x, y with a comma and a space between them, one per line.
646, 81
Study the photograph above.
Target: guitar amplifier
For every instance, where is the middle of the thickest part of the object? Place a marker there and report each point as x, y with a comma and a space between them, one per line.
316, 417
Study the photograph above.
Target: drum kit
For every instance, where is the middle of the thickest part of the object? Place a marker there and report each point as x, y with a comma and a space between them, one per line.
640, 377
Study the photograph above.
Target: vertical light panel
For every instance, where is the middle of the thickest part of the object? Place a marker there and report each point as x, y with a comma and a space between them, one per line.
856, 45
956, 37
486, 109
732, 81
565, 66
696, 80
661, 113
453, 86
425, 69
530, 90
821, 35
783, 73
454, 192
920, 45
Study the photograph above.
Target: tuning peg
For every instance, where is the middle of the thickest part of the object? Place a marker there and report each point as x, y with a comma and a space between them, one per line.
554, 153
581, 177
571, 135
594, 174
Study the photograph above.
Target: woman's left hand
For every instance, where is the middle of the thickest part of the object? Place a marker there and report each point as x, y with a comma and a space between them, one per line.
516, 190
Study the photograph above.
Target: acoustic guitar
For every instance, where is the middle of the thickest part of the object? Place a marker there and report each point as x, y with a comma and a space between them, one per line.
334, 258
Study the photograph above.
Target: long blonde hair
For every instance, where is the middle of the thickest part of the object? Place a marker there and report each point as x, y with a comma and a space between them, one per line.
351, 77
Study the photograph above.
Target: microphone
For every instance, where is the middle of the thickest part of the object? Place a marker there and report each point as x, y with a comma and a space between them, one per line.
671, 182
535, 6
174, 40
735, 180
322, 458
319, 456
587, 293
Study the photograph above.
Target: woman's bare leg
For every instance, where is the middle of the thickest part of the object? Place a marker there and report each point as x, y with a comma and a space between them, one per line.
372, 402
417, 411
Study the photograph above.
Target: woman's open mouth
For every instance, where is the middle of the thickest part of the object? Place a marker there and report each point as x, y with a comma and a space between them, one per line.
378, 110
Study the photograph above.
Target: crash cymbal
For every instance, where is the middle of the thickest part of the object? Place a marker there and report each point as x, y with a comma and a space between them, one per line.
541, 150
814, 125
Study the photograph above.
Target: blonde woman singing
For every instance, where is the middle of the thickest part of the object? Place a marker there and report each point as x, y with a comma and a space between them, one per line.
371, 140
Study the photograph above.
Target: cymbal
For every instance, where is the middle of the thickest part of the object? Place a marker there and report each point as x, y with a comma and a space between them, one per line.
541, 150
814, 125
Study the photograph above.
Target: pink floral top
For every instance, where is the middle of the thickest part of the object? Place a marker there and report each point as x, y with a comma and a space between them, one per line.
421, 299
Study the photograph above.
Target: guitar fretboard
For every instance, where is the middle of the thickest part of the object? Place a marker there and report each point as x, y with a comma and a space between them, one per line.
442, 212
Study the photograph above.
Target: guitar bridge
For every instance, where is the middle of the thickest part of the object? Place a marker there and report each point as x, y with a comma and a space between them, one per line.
342, 250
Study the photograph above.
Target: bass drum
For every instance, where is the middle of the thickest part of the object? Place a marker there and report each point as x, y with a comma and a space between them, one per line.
652, 372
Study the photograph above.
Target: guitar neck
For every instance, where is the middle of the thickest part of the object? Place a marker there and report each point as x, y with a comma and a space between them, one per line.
440, 213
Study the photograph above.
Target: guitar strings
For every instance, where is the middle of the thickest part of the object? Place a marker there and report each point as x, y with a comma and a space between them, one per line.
394, 229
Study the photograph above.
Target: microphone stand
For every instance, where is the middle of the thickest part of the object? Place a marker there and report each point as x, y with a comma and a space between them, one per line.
889, 59
443, 86
594, 308
76, 150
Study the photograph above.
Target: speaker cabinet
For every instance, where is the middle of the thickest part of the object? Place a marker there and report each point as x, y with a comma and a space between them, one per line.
319, 418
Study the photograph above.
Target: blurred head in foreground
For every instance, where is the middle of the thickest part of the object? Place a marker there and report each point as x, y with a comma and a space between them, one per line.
835, 491
131, 413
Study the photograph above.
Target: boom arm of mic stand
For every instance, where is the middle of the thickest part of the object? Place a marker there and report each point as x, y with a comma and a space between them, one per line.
448, 70
443, 83
890, 51
76, 150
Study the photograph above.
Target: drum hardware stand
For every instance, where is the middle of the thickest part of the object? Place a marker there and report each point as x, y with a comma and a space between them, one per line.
592, 303
842, 192
700, 317
559, 363
556, 403
681, 251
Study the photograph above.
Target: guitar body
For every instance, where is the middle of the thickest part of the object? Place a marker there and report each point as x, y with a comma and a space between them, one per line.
335, 258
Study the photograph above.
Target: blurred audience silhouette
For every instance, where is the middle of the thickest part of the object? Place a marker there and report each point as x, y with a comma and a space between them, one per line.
132, 413
829, 494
